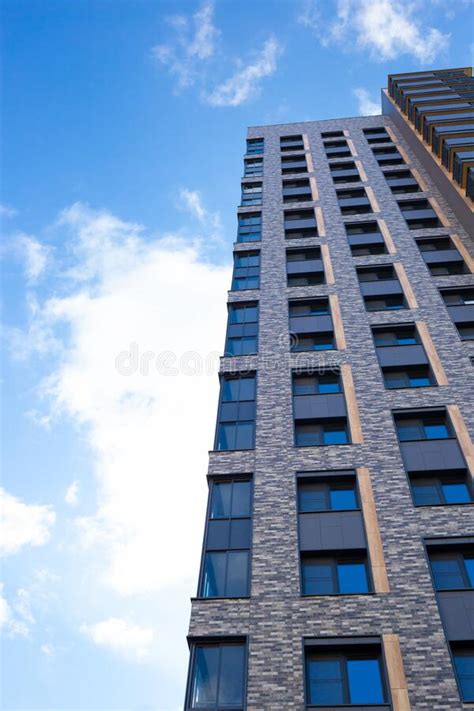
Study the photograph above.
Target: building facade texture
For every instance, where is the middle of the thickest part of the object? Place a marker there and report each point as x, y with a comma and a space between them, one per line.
337, 566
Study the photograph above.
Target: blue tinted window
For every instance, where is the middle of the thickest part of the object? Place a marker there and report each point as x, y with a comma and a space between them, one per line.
247, 389
426, 494
456, 493
436, 431
418, 381
237, 574
469, 563
335, 435
352, 577
365, 683
206, 672
447, 574
317, 578
220, 501
464, 664
231, 681
312, 497
214, 575
325, 682
230, 389
244, 435
326, 387
241, 498
343, 499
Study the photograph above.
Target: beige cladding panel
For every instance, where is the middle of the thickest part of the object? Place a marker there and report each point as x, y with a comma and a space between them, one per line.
337, 322
327, 264
374, 539
351, 402
406, 286
320, 221
432, 354
387, 237
468, 260
396, 673
462, 435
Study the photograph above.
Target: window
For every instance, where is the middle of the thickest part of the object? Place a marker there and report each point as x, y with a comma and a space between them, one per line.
337, 149
376, 274
441, 256
293, 164
291, 143
304, 267
246, 271
321, 384
463, 657
395, 336
392, 303
419, 214
313, 433
333, 495
331, 576
443, 488
458, 297
353, 201
409, 377
300, 223
401, 181
225, 570
332, 134
311, 326
351, 676
365, 238
460, 302
251, 194
217, 680
242, 329
452, 571
466, 332
423, 426
236, 421
297, 190
253, 167
345, 172
255, 146
250, 227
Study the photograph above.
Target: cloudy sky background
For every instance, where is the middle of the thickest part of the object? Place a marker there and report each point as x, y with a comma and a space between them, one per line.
123, 129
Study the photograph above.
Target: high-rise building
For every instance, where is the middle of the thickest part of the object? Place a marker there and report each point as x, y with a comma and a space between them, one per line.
338, 557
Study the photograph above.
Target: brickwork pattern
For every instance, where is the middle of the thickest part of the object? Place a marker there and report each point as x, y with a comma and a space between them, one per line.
275, 617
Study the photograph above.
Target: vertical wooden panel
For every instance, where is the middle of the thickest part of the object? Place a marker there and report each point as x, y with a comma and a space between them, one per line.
352, 149
320, 222
309, 162
337, 322
406, 286
432, 354
387, 237
419, 180
372, 199
314, 188
391, 134
374, 539
306, 141
327, 264
462, 434
351, 402
361, 169
463, 252
404, 154
396, 673
441, 216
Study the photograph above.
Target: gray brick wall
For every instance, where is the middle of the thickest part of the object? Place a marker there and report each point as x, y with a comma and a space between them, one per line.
276, 617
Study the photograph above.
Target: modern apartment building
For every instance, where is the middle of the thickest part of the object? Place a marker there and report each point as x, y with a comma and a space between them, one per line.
338, 557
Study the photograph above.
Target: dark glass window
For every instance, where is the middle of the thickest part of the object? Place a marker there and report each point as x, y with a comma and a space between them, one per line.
255, 146
242, 329
389, 303
250, 227
429, 426
376, 274
330, 576
251, 194
322, 384
416, 377
218, 676
246, 271
315, 433
405, 336
226, 562
437, 490
253, 167
314, 496
236, 422
464, 665
452, 571
461, 297
344, 679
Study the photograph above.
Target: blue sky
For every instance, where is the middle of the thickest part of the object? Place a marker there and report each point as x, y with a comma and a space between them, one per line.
123, 132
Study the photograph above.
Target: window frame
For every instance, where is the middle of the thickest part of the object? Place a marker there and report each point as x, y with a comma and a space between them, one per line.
235, 376
220, 641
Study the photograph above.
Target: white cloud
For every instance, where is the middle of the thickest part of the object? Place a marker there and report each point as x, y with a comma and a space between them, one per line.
367, 106
194, 44
72, 494
16, 617
245, 83
23, 524
34, 254
386, 29
7, 211
130, 641
149, 430
192, 202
